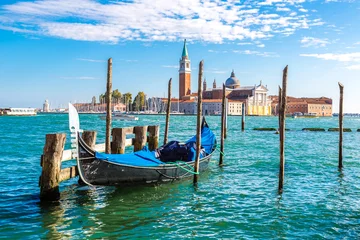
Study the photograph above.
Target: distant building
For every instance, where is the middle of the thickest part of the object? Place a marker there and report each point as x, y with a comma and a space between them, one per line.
98, 107
254, 97
184, 73
321, 107
46, 106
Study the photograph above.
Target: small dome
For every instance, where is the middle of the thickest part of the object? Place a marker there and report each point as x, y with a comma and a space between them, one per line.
232, 81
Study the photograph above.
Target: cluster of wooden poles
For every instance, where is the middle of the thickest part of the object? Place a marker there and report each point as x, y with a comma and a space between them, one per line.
199, 120
198, 124
47, 180
282, 110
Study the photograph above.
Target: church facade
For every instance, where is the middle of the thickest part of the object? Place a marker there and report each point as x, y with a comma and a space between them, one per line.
254, 98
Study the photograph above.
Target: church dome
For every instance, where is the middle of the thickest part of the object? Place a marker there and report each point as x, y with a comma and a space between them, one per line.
232, 81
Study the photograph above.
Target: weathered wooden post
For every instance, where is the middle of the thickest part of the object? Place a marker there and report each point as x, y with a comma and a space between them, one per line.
167, 113
108, 106
198, 125
222, 127
118, 140
243, 117
279, 110
89, 138
51, 166
341, 126
153, 138
226, 117
282, 130
140, 137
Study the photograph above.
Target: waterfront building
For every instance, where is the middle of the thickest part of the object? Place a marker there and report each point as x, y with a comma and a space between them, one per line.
254, 97
98, 107
321, 107
46, 106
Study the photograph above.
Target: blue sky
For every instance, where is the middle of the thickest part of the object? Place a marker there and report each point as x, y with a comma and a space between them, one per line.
57, 50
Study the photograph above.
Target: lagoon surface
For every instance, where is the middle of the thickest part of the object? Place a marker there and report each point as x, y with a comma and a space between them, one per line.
239, 200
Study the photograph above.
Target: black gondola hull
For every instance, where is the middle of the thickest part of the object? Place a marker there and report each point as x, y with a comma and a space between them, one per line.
102, 172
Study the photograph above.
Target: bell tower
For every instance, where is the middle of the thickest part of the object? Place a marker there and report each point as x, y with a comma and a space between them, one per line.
184, 73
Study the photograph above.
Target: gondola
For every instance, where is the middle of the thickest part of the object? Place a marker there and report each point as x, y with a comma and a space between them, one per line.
138, 168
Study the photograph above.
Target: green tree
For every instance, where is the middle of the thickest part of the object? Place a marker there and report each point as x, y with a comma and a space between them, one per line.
116, 96
139, 102
102, 98
127, 99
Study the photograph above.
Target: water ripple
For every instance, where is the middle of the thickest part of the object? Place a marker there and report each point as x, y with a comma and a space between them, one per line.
239, 200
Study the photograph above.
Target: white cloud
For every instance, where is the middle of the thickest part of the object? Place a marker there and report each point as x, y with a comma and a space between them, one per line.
215, 51
143, 20
341, 57
257, 53
353, 67
303, 10
314, 42
283, 9
244, 43
89, 60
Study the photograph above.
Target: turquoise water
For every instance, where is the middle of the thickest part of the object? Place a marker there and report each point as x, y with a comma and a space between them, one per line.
239, 200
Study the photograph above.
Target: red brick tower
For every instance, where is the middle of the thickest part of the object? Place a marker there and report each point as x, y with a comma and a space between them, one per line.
184, 74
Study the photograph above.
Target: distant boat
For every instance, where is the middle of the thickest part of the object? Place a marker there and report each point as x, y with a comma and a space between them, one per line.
176, 113
17, 112
304, 115
121, 117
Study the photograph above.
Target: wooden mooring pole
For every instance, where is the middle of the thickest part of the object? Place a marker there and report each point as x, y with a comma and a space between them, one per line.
226, 117
52, 173
140, 137
198, 123
222, 127
108, 106
51, 166
89, 138
167, 113
279, 110
282, 130
243, 116
341, 125
153, 138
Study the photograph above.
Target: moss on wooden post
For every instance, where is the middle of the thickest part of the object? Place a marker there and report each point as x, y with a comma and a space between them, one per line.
51, 166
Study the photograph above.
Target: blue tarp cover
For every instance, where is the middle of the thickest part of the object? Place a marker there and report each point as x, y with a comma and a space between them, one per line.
146, 158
